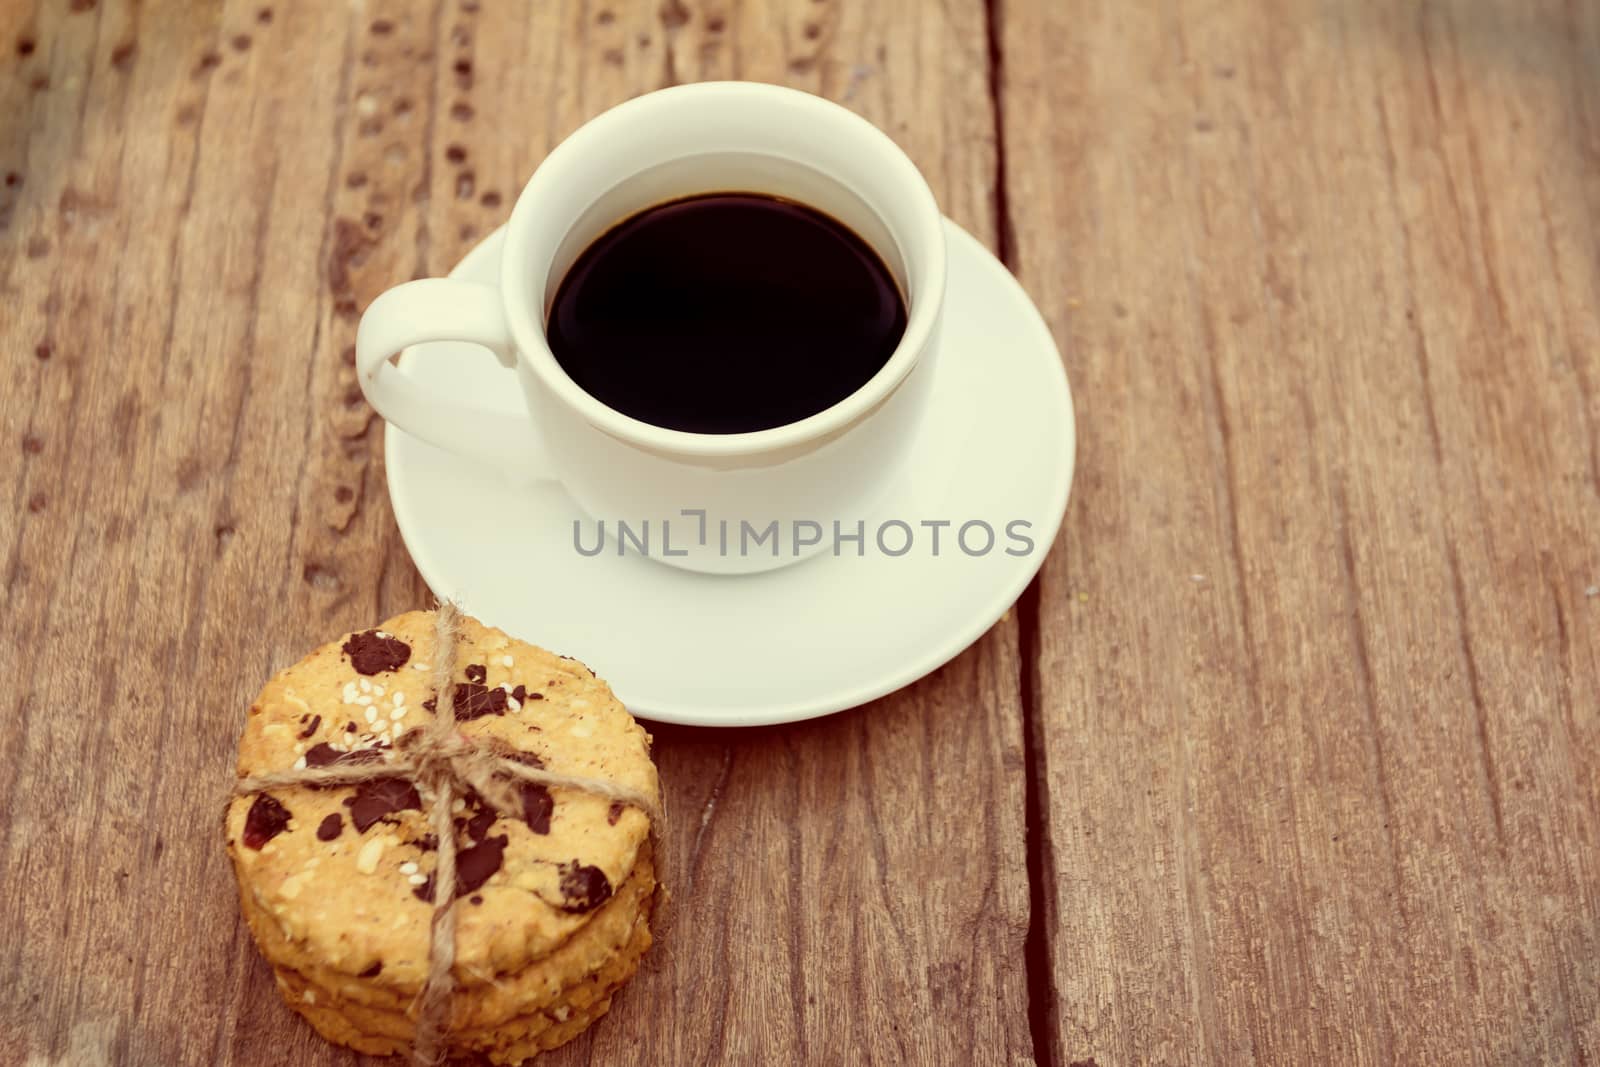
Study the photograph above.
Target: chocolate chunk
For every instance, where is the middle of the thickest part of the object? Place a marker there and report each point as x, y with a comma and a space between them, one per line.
476, 899
537, 806
477, 827
583, 888
349, 727
266, 819
380, 797
476, 672
613, 813
520, 693
330, 828
371, 654
311, 728
473, 701
323, 754
373, 971
474, 865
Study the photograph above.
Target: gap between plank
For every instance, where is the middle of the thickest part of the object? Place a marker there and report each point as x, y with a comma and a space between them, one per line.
1003, 234
1036, 947
1036, 944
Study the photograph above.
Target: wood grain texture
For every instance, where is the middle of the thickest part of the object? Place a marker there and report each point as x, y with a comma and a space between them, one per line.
1318, 668
198, 201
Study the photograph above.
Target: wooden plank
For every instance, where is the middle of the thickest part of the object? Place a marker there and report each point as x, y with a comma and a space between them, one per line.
205, 198
1318, 666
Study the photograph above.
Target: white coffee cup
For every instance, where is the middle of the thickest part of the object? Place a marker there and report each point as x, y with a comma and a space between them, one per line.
804, 476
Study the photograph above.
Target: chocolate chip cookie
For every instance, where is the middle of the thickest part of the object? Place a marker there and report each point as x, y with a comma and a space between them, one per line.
553, 895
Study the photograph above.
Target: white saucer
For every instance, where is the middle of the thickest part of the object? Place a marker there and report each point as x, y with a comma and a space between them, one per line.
816, 637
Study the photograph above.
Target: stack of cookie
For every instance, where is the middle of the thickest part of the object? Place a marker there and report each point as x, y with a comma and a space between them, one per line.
552, 909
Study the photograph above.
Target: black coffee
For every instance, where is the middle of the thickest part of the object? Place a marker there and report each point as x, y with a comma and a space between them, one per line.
726, 313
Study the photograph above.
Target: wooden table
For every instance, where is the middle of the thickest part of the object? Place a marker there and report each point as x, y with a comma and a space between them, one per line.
1292, 754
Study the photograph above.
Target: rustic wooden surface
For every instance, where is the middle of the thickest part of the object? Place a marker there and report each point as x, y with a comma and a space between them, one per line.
1317, 708
1293, 753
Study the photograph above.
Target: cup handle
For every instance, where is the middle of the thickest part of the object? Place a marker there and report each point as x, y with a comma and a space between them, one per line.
445, 309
